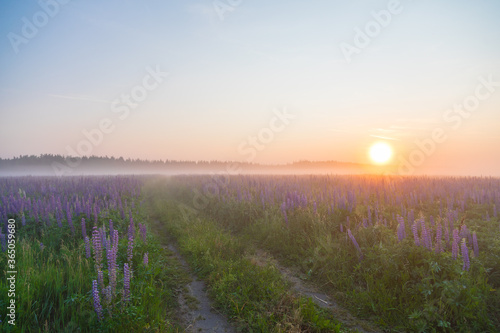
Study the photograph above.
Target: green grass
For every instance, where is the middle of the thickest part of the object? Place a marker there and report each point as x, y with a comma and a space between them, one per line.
54, 283
255, 298
397, 285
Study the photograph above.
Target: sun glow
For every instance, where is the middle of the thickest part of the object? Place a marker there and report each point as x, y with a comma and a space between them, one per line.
380, 152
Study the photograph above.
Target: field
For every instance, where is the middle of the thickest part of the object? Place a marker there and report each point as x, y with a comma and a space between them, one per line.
116, 254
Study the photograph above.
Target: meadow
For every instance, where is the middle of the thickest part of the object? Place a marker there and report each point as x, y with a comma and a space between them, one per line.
84, 262
406, 254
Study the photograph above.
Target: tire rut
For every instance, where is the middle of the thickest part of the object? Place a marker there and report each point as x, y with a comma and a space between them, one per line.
321, 299
196, 308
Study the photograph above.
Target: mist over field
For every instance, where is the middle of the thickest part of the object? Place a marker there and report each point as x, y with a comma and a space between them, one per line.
71, 166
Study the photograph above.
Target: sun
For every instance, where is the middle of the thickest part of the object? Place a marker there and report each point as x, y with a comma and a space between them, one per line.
380, 152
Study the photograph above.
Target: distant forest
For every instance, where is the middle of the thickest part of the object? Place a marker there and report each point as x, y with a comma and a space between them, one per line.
61, 165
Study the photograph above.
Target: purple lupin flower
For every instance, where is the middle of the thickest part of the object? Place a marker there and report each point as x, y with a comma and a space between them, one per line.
126, 283
426, 237
131, 229
401, 222
84, 229
96, 243
439, 234
112, 266
87, 247
68, 217
446, 234
143, 230
102, 234
341, 228
415, 234
463, 231
109, 248
115, 238
130, 248
100, 279
283, 211
465, 256
58, 217
454, 245
94, 210
111, 229
120, 206
97, 300
370, 215
145, 259
476, 246
411, 217
355, 243
108, 296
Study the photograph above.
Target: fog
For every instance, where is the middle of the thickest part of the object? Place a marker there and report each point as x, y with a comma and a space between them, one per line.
238, 169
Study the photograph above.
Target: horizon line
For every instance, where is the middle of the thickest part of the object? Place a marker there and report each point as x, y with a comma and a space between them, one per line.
186, 161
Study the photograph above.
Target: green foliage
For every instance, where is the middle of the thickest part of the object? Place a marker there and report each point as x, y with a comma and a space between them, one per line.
399, 285
54, 283
255, 297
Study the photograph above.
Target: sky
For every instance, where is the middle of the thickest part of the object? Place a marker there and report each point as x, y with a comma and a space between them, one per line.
255, 81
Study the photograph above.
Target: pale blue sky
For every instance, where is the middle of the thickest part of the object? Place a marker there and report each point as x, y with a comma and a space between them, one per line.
227, 76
